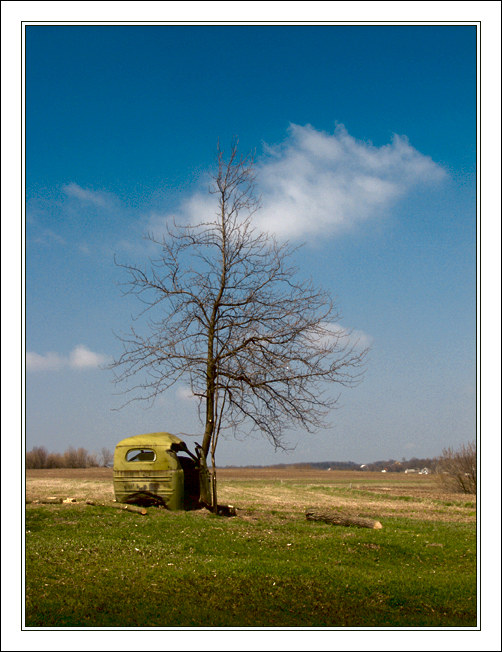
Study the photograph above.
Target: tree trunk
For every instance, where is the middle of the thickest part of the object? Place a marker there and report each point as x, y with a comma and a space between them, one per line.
214, 493
208, 431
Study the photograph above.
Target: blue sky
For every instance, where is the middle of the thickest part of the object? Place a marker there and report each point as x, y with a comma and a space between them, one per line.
365, 140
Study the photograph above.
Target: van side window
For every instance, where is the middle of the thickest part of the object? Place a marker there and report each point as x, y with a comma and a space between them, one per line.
140, 455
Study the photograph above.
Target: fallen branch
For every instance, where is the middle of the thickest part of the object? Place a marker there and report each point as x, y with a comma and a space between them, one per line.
335, 518
123, 506
222, 510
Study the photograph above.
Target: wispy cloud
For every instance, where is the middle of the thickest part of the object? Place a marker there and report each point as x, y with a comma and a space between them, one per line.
312, 184
351, 339
320, 183
185, 394
96, 197
80, 219
47, 362
317, 183
79, 358
49, 237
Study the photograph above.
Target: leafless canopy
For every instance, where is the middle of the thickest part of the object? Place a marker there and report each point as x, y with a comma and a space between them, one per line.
226, 314
457, 469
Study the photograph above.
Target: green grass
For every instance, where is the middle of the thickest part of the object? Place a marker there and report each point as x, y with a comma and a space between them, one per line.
101, 567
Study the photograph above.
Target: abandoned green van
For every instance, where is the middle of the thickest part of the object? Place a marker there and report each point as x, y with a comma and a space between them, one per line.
158, 469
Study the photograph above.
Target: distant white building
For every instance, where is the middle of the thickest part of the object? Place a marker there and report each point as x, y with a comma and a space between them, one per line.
411, 471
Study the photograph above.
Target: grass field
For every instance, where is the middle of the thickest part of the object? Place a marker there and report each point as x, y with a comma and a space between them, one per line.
94, 566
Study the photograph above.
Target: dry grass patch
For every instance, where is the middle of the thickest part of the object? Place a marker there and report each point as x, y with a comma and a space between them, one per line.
285, 493
81, 484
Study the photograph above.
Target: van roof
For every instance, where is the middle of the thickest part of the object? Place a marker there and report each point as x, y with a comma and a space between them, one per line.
151, 439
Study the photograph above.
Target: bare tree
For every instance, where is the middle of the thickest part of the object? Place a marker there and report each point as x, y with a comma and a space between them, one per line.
457, 469
76, 458
37, 458
106, 456
259, 348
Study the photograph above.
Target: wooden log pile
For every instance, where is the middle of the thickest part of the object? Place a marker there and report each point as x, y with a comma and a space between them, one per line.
335, 518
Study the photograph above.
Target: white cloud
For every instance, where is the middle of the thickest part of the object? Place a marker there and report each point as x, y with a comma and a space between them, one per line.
185, 394
48, 237
320, 183
316, 183
80, 358
356, 339
199, 207
360, 339
98, 198
47, 362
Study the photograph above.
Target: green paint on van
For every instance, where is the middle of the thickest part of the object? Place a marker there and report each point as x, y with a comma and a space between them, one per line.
158, 468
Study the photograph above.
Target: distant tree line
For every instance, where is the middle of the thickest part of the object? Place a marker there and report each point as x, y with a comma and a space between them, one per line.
455, 469
381, 465
72, 458
396, 466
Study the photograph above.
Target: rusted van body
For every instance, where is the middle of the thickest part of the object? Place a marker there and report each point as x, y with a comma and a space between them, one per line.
157, 468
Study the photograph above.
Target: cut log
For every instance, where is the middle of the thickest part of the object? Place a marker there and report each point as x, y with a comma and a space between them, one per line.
51, 500
222, 510
335, 518
130, 508
123, 506
227, 510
